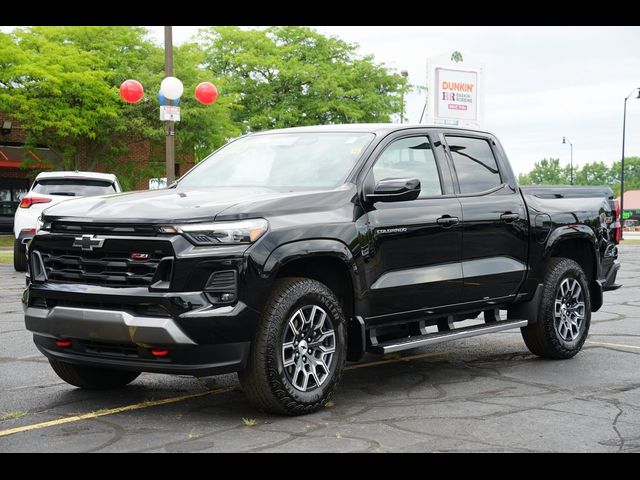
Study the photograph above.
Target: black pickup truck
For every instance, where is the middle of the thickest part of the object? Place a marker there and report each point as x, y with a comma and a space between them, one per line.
286, 253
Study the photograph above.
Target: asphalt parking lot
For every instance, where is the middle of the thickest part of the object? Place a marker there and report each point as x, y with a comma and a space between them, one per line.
484, 394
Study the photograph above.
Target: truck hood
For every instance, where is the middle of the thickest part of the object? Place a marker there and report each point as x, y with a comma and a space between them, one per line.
174, 205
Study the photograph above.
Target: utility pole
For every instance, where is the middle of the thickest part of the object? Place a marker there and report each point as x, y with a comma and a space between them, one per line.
566, 140
405, 74
171, 131
624, 128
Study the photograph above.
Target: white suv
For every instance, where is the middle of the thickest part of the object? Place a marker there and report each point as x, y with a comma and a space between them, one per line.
48, 189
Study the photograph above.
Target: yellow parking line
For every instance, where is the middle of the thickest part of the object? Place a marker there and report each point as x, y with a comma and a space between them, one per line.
165, 401
110, 411
619, 345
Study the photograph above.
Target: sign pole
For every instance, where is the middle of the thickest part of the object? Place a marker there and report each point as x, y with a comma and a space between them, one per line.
171, 132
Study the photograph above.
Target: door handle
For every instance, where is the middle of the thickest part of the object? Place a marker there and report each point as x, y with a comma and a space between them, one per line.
510, 217
447, 220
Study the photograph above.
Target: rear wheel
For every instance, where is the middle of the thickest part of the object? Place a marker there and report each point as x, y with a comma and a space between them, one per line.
19, 256
565, 312
299, 350
92, 378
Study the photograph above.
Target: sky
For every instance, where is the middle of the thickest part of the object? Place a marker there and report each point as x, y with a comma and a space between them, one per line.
542, 83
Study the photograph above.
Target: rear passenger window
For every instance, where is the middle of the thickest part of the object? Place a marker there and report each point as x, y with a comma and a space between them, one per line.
410, 158
474, 163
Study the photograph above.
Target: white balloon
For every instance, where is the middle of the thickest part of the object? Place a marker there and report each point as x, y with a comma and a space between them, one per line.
171, 88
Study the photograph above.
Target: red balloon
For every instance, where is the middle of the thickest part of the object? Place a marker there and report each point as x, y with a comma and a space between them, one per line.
131, 91
206, 93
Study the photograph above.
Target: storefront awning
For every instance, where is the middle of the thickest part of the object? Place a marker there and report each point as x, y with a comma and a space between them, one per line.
12, 157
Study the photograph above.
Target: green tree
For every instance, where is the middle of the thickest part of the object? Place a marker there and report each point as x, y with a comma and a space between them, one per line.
631, 175
596, 173
290, 76
456, 57
549, 172
524, 179
62, 83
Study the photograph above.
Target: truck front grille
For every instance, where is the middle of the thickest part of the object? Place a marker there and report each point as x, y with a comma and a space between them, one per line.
118, 263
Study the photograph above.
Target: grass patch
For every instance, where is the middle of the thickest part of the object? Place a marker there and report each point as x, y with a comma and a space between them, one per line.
6, 258
249, 422
6, 241
13, 415
633, 241
329, 404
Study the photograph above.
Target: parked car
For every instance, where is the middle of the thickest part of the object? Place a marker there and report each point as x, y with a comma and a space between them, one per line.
288, 252
48, 189
632, 225
11, 192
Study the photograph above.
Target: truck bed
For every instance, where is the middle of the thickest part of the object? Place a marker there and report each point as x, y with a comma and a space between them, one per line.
568, 191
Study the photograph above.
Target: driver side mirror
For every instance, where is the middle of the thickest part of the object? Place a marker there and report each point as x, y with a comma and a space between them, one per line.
395, 190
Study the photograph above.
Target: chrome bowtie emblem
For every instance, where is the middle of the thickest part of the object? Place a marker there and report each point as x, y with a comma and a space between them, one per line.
88, 243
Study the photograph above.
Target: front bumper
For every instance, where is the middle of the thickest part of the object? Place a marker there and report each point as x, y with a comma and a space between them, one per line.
117, 327
104, 325
196, 360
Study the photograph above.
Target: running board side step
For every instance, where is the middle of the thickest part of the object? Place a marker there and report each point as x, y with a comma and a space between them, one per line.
398, 345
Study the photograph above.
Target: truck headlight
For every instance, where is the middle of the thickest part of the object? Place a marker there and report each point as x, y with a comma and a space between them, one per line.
221, 233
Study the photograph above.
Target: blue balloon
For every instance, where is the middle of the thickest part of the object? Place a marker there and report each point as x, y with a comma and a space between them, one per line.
163, 100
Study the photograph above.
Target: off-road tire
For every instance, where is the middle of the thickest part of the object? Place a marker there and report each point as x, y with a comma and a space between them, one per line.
264, 380
542, 337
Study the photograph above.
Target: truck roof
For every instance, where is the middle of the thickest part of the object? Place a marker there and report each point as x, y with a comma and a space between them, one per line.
109, 177
377, 128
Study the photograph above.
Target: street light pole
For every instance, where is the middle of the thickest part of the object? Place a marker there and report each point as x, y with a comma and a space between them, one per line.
405, 74
566, 140
624, 125
171, 132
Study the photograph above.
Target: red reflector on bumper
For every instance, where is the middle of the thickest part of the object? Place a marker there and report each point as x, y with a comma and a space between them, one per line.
63, 343
159, 352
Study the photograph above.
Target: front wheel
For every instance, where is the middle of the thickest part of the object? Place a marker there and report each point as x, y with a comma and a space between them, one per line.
299, 349
564, 315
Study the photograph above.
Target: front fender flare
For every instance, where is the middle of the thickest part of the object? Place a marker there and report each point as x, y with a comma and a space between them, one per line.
309, 248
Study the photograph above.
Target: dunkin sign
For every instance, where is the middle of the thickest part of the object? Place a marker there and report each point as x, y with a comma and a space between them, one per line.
456, 95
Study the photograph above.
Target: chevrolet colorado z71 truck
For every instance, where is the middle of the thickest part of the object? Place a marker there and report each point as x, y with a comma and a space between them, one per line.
286, 253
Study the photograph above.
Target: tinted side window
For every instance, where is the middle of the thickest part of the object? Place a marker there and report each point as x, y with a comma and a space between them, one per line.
474, 163
410, 158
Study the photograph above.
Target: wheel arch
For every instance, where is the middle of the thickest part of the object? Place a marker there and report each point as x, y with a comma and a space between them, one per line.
578, 243
331, 263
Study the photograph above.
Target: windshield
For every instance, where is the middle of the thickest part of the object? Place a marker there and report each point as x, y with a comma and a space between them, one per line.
281, 160
73, 187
